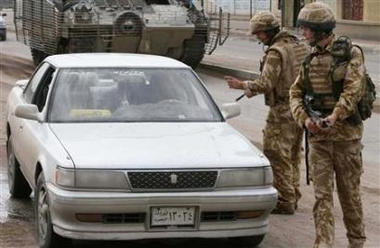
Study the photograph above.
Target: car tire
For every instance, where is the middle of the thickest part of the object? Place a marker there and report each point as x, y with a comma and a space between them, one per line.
249, 241
46, 236
18, 186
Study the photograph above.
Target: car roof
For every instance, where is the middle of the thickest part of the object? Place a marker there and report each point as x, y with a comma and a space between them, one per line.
98, 60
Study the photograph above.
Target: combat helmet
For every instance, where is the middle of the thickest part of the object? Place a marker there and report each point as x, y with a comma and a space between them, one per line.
263, 21
317, 16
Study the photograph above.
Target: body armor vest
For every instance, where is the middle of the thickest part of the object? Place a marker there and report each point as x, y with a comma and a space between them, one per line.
292, 52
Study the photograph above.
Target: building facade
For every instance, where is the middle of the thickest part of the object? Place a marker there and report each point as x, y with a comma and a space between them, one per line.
359, 19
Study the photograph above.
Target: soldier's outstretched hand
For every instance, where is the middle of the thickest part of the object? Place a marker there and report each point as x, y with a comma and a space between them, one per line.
234, 83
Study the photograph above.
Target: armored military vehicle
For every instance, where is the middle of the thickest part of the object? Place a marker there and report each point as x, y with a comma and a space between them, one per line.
175, 28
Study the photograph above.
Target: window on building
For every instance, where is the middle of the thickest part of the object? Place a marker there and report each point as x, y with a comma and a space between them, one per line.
352, 9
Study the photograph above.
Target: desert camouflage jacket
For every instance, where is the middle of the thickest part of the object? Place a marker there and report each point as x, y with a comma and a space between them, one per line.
279, 68
351, 74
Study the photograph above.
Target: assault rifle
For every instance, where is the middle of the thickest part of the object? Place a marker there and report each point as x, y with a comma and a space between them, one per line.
316, 117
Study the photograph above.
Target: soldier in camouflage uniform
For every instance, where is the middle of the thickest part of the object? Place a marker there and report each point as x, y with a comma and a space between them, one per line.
282, 136
335, 147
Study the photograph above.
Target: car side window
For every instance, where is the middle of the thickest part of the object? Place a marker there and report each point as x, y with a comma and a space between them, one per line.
43, 89
34, 82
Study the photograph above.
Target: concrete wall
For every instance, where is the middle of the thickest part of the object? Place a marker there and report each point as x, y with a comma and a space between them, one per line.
358, 30
238, 7
371, 11
6, 3
368, 29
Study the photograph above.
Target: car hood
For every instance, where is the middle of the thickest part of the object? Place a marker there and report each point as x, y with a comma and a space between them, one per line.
156, 145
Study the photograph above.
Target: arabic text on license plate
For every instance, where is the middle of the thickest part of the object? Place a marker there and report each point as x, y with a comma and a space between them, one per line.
166, 216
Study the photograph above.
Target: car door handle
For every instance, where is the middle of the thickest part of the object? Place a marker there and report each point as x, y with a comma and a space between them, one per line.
21, 127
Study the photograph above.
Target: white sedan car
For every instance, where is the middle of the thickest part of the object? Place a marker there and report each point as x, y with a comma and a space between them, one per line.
126, 146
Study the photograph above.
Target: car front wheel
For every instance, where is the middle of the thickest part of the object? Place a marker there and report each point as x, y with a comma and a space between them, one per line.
18, 186
45, 234
249, 241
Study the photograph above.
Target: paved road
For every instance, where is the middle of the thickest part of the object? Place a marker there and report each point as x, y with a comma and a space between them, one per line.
16, 217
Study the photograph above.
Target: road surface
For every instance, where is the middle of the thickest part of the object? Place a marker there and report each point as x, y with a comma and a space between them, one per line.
16, 217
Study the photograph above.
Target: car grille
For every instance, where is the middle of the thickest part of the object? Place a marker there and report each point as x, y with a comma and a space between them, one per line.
172, 180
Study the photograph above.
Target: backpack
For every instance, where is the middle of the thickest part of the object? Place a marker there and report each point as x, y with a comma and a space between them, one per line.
341, 52
365, 105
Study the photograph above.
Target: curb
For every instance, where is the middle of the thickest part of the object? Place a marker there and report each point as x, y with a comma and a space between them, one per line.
245, 74
250, 75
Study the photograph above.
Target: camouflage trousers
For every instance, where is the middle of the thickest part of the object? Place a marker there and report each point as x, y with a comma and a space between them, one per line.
342, 158
282, 145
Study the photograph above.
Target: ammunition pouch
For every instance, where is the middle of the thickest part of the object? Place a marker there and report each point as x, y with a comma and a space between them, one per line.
354, 119
271, 99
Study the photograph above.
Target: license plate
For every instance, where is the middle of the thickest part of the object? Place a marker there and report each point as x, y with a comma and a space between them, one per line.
172, 216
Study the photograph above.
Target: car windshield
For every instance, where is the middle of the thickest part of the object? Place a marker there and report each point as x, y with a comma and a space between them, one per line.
130, 95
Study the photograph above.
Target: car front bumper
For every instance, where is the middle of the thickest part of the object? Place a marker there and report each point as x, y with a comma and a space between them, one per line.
65, 205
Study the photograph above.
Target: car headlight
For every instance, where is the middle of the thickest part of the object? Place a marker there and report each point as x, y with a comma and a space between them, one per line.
261, 176
91, 179
268, 175
65, 177
97, 179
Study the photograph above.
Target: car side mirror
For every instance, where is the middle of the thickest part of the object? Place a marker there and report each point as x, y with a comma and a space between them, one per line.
28, 111
22, 83
230, 110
